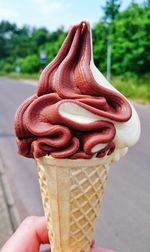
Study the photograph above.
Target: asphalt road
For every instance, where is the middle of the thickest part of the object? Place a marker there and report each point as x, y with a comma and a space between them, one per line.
124, 223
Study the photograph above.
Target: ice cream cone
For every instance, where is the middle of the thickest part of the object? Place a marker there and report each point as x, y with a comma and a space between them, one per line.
75, 114
71, 192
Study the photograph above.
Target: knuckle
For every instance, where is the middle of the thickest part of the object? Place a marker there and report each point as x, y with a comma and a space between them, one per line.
30, 220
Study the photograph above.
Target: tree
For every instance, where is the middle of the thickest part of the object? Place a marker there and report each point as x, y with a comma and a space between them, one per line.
111, 9
40, 36
6, 26
30, 64
131, 47
6, 31
99, 35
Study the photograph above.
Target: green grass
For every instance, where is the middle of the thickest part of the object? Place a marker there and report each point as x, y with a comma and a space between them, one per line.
20, 76
135, 88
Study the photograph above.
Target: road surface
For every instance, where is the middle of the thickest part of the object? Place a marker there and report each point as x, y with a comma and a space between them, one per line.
124, 223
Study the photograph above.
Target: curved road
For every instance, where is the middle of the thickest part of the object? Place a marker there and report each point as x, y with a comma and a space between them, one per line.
125, 215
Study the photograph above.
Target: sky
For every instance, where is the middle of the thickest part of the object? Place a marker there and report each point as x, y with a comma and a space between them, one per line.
53, 13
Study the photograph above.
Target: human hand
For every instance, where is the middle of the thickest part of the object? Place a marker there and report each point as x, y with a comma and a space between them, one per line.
30, 235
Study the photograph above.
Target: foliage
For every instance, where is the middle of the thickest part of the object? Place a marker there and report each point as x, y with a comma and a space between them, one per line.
30, 64
99, 33
131, 47
111, 9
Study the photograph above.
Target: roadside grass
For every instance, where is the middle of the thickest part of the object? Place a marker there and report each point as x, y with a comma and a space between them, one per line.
134, 88
25, 76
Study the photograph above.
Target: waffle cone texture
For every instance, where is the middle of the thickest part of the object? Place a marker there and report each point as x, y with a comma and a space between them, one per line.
71, 192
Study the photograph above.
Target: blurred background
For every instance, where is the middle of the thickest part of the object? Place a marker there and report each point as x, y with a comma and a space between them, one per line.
31, 33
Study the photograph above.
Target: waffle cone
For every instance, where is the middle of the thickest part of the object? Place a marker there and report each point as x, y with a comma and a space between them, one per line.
71, 193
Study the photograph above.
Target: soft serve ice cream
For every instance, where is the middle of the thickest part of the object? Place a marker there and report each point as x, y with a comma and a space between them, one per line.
75, 112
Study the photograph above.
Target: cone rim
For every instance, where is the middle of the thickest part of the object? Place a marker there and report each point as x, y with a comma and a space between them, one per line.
75, 162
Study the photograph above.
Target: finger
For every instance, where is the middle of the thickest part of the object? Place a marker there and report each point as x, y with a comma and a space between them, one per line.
92, 244
29, 236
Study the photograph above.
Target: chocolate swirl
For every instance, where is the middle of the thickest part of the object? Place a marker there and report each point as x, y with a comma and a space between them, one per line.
71, 115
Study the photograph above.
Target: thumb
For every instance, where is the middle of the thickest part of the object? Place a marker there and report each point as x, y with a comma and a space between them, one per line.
29, 236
